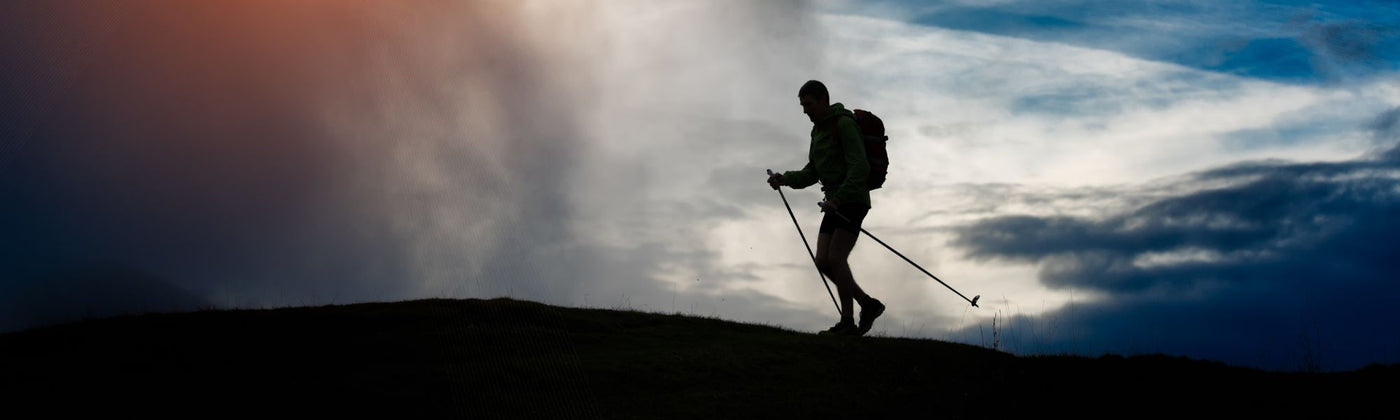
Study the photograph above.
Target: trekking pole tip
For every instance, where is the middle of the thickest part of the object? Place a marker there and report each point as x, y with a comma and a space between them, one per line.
974, 301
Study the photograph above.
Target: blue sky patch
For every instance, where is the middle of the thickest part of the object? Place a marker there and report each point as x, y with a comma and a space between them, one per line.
1287, 42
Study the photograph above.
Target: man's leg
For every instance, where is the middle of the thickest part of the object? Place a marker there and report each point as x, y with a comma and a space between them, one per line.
824, 263
842, 242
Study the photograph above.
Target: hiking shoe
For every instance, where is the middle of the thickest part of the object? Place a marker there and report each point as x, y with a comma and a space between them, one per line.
842, 328
868, 313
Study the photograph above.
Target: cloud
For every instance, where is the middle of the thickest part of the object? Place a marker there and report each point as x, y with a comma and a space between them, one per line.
983, 126
262, 153
1387, 126
259, 153
1324, 42
1352, 48
1304, 241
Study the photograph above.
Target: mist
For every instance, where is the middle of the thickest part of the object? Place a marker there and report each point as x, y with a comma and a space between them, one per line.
245, 154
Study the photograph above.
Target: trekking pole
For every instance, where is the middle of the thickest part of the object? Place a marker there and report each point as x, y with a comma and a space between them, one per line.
973, 301
809, 247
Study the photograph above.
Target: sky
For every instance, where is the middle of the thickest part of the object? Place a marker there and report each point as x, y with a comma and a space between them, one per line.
1211, 180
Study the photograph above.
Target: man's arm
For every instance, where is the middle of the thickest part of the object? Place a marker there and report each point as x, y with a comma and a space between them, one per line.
801, 178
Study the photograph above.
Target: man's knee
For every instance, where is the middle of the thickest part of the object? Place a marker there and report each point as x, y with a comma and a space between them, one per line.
824, 265
829, 266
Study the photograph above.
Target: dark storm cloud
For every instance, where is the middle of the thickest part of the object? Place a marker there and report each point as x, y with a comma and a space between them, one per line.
188, 143
1288, 209
1281, 246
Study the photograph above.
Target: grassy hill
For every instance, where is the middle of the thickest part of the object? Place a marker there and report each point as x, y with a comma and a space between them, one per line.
506, 358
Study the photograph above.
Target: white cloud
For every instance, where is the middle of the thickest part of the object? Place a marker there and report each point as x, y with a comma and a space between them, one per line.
983, 108
960, 109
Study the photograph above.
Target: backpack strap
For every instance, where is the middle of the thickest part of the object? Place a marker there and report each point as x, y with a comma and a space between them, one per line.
836, 138
836, 128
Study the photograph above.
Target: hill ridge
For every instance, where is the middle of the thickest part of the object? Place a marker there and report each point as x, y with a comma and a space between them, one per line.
508, 358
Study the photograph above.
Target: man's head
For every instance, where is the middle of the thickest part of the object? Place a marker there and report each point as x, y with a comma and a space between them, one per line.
816, 102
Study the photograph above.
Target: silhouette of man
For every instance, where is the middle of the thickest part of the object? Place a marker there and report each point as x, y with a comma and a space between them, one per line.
836, 159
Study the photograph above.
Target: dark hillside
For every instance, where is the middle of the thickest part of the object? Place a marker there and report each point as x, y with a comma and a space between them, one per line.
505, 358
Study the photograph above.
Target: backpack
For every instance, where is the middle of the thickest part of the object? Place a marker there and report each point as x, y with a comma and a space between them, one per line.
872, 130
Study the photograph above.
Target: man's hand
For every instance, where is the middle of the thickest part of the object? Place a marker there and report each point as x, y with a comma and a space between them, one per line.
775, 180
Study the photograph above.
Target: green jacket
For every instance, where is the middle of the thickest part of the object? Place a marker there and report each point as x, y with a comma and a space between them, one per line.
841, 169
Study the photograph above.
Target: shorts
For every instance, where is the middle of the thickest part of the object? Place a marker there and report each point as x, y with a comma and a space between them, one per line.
831, 222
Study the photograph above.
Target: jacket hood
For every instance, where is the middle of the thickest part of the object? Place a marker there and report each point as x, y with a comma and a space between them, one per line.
837, 110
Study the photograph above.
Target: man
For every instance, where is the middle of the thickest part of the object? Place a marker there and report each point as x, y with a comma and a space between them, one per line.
836, 159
